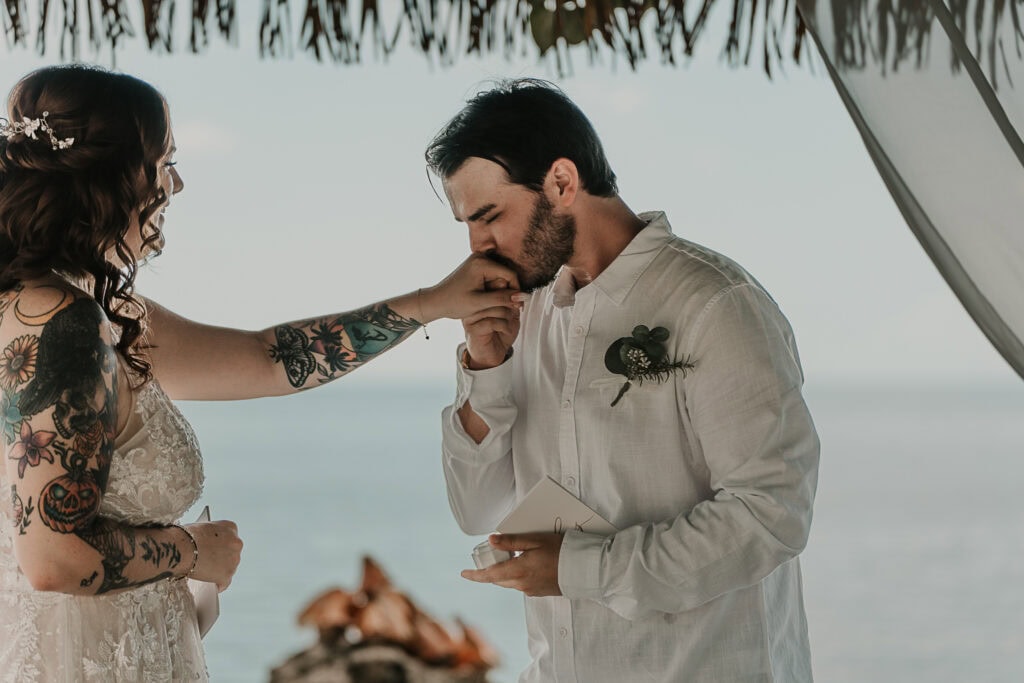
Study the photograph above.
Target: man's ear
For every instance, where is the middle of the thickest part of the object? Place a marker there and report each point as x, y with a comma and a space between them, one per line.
562, 182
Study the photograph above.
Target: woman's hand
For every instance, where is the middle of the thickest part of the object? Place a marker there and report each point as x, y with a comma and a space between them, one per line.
220, 551
478, 284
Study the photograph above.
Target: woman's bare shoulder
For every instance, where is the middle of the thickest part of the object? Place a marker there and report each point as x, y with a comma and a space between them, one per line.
29, 306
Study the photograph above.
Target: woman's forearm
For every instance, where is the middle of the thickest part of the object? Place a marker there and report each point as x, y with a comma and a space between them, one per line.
108, 557
319, 350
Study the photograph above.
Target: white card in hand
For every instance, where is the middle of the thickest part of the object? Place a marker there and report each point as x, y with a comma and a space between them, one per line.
549, 507
205, 593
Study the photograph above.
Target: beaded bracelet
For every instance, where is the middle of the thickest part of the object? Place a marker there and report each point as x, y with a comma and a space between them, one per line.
195, 553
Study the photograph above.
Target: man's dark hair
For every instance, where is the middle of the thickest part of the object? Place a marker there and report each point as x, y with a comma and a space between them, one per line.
523, 125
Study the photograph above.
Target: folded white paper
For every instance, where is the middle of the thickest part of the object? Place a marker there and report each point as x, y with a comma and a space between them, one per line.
205, 593
549, 507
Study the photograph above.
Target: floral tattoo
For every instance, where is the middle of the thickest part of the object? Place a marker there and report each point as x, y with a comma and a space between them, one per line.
68, 371
18, 363
330, 347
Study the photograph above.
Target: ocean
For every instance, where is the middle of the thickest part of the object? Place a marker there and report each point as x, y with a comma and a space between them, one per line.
914, 570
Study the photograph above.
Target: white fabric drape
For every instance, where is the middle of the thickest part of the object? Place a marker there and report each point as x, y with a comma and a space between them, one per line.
936, 93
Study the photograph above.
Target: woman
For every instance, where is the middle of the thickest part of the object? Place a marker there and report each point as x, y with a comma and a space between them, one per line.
99, 463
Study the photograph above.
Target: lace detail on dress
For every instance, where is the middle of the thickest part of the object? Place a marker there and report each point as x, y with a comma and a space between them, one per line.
144, 649
19, 644
144, 634
156, 474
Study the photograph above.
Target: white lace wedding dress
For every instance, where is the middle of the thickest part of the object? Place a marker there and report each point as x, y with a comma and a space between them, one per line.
144, 634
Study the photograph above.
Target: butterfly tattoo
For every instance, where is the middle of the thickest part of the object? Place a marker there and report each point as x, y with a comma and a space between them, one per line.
292, 349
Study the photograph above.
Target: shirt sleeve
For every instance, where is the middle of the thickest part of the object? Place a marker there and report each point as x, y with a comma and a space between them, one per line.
742, 404
480, 477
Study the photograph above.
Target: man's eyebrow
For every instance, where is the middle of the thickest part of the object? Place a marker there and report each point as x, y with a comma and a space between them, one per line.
480, 213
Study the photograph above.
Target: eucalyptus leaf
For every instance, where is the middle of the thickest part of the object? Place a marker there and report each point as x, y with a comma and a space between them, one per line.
643, 356
655, 351
612, 359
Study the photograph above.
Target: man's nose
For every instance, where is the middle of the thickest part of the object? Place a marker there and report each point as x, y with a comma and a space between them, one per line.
480, 239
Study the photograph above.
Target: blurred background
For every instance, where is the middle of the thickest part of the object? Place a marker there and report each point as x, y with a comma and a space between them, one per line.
306, 193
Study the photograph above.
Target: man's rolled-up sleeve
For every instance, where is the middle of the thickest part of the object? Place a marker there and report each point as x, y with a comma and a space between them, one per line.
480, 477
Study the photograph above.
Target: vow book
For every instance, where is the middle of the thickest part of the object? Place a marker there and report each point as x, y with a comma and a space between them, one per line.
549, 507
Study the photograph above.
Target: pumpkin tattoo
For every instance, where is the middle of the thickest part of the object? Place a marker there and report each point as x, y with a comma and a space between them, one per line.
70, 501
74, 381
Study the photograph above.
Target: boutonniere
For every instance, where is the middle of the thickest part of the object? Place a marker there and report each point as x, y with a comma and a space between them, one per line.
643, 356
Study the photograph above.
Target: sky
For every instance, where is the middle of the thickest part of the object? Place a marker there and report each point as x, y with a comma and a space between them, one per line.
306, 193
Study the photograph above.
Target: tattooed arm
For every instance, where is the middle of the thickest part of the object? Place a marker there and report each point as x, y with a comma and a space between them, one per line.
60, 384
195, 361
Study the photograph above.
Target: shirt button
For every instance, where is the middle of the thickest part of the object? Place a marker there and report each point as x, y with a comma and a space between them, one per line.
571, 481
563, 632
566, 403
578, 330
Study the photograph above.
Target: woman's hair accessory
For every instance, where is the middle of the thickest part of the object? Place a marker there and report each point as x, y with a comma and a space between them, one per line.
28, 128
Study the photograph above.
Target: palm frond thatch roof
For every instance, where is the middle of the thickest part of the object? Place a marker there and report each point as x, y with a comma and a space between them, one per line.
759, 32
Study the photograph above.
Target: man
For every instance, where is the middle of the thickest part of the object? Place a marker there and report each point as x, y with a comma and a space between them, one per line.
655, 380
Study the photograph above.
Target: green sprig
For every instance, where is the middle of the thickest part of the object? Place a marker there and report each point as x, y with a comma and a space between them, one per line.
643, 356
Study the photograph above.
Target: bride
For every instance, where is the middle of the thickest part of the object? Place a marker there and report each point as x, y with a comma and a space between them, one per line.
99, 463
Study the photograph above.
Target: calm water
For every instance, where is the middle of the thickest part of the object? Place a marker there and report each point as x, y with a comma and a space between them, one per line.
914, 571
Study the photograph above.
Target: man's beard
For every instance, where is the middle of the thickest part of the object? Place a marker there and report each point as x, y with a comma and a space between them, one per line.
547, 246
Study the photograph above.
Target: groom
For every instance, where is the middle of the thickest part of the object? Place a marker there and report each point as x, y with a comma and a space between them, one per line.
654, 379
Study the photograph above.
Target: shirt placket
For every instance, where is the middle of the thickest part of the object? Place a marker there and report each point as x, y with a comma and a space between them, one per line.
569, 461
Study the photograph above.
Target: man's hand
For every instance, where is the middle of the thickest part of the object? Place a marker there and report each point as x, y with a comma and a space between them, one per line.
490, 332
534, 571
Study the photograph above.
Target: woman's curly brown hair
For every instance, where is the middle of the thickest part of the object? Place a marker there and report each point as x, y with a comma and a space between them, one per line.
68, 210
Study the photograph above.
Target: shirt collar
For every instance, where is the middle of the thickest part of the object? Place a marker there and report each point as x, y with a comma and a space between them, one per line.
618, 278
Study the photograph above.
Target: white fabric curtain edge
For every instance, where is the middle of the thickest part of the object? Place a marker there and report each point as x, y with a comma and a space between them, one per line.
1006, 342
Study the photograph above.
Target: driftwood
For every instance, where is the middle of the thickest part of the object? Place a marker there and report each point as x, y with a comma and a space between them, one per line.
377, 634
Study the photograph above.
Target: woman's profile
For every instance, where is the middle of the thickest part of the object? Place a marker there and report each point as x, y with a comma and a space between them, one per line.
99, 465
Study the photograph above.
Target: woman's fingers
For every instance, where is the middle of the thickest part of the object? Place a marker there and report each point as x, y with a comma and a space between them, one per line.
509, 298
494, 274
496, 284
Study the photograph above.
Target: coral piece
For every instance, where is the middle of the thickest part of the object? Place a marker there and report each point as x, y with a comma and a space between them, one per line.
378, 635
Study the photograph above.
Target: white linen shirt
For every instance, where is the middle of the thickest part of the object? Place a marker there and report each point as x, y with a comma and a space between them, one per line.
710, 475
